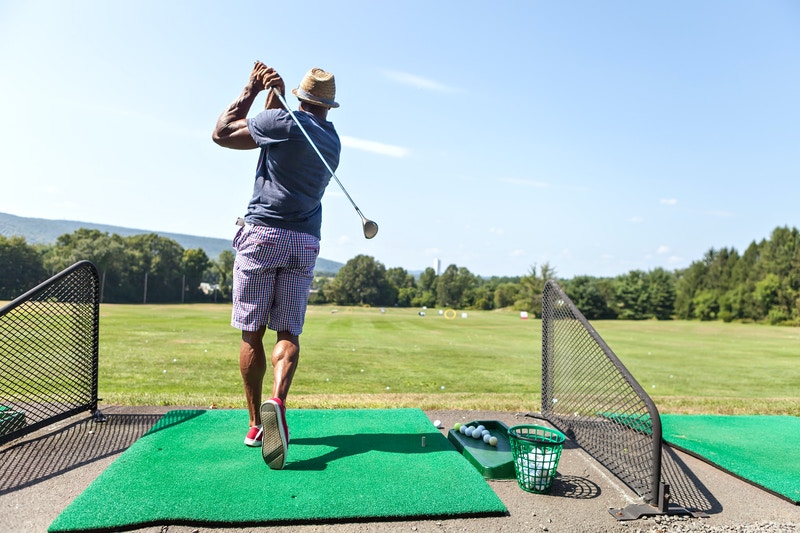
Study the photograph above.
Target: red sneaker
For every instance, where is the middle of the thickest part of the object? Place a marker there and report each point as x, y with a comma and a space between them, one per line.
254, 436
276, 433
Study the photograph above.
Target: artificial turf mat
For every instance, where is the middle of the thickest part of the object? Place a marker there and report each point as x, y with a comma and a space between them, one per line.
764, 450
192, 468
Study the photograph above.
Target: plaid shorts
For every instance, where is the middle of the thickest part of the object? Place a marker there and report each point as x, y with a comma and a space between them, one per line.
272, 274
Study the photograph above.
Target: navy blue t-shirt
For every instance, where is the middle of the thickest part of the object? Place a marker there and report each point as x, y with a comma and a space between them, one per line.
290, 178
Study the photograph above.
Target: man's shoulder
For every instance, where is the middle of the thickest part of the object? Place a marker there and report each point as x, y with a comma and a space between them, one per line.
269, 122
267, 116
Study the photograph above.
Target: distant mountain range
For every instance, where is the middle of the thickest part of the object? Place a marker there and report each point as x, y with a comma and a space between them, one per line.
44, 231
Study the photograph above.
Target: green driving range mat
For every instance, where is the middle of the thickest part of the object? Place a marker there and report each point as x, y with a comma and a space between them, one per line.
192, 468
764, 450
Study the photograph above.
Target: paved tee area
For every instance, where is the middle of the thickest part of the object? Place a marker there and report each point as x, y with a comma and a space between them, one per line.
43, 472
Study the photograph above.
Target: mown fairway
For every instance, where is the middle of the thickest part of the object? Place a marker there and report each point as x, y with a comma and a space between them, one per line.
355, 357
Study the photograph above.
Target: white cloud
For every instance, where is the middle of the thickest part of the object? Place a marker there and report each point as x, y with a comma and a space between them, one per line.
419, 82
519, 252
374, 147
662, 250
636, 219
668, 201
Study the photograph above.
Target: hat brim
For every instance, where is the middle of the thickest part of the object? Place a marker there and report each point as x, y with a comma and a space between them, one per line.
312, 100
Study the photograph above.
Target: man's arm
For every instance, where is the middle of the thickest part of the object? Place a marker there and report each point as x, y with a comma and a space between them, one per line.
231, 130
272, 101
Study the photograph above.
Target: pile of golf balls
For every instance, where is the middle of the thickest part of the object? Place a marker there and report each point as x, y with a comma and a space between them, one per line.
536, 468
478, 432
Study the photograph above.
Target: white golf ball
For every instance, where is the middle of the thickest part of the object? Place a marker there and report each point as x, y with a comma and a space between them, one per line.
477, 434
485, 432
480, 428
468, 431
493, 441
463, 430
486, 438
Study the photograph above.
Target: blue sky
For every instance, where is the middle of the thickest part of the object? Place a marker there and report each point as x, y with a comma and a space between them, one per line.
599, 137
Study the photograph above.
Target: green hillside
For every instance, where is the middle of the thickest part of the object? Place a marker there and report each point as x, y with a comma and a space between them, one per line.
44, 231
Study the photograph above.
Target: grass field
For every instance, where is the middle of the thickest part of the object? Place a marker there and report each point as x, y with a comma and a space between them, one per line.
366, 357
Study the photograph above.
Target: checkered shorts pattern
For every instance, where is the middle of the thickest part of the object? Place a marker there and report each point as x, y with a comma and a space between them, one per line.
272, 274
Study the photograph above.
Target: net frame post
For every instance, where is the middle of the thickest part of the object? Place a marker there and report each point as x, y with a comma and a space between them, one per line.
645, 421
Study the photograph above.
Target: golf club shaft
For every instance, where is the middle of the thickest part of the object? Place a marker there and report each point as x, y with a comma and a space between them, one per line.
314, 146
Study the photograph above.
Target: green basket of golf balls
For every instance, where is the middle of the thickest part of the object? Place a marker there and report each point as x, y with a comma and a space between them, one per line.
536, 451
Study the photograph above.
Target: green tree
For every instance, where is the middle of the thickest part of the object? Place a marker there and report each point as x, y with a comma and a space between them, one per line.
587, 294
705, 305
505, 294
21, 267
739, 302
362, 280
736, 304
721, 265
427, 280
404, 285
661, 294
631, 296
642, 295
220, 272
156, 262
687, 284
781, 256
193, 264
479, 296
453, 287
106, 251
406, 296
319, 289
426, 289
400, 278
768, 294
531, 288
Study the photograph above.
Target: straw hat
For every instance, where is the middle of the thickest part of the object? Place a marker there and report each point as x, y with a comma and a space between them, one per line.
318, 87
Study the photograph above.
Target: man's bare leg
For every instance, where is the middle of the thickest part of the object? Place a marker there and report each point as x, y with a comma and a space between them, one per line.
285, 357
253, 366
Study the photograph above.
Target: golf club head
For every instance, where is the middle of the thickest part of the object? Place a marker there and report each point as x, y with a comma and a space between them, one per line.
370, 229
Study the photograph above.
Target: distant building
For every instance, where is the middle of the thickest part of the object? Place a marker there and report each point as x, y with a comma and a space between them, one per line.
437, 266
209, 288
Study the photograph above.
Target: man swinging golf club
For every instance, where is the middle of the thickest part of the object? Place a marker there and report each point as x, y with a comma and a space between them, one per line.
278, 241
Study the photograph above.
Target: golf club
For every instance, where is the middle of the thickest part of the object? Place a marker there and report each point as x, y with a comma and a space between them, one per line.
370, 227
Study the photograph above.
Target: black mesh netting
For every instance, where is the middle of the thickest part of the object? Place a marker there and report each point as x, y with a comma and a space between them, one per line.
48, 351
590, 396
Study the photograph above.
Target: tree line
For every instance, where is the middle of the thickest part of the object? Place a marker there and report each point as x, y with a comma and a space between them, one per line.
144, 268
762, 284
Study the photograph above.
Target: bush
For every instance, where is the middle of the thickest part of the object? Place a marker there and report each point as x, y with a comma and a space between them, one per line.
777, 316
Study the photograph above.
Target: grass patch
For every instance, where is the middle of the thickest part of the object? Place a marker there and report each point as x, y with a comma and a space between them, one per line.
368, 358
